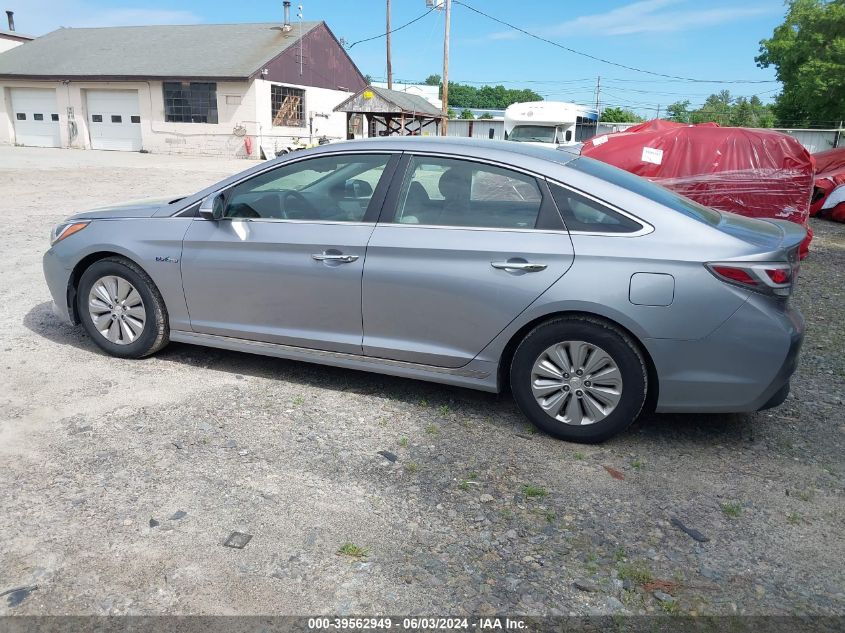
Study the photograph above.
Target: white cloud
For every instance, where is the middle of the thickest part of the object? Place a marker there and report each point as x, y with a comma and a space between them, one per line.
645, 16
37, 17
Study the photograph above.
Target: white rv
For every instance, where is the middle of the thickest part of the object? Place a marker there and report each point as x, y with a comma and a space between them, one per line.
549, 123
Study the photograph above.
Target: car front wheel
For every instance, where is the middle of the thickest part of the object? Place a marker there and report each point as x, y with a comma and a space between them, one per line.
579, 378
121, 308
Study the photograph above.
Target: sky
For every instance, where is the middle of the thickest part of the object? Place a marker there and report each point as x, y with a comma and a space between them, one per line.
693, 39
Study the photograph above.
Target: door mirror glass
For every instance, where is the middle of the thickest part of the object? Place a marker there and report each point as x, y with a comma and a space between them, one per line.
211, 207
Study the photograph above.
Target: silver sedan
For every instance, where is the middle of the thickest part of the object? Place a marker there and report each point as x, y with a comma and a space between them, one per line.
589, 292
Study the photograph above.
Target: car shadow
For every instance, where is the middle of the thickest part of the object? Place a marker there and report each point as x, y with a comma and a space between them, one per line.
499, 409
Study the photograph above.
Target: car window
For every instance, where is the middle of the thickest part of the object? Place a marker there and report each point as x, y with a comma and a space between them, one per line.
452, 192
647, 189
583, 214
328, 188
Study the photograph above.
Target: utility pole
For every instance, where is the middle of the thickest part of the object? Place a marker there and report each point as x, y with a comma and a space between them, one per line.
444, 117
598, 98
389, 65
658, 111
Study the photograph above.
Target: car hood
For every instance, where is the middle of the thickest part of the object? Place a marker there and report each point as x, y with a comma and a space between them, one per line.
134, 209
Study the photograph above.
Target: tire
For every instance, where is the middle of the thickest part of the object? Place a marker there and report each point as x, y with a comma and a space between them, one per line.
122, 337
609, 393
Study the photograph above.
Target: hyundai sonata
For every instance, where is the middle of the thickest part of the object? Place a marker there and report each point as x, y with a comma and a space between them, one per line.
589, 292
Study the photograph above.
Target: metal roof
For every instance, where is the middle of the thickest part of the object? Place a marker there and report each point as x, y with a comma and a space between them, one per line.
405, 102
189, 51
15, 35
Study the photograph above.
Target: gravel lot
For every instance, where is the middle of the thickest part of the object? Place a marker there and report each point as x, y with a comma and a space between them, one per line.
121, 479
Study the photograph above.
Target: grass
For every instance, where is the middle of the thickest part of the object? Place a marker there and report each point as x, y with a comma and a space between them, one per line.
403, 442
671, 607
432, 429
732, 509
794, 518
412, 467
424, 403
637, 463
444, 409
299, 401
807, 494
579, 456
472, 478
635, 571
534, 492
619, 554
352, 550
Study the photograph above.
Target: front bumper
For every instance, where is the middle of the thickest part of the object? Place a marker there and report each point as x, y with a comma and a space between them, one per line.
744, 365
57, 278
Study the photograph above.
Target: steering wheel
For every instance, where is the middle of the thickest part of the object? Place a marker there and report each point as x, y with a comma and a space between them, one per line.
293, 204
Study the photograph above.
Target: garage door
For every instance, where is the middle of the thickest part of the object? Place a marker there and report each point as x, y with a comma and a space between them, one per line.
36, 117
114, 120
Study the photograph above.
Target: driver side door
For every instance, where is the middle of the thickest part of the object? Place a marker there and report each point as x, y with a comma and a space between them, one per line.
284, 263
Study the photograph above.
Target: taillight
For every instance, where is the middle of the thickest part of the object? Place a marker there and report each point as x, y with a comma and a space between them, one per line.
768, 278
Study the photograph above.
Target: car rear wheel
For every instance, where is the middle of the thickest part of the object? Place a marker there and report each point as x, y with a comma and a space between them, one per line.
579, 378
121, 308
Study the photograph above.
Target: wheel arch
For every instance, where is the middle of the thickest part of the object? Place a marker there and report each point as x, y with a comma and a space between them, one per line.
79, 269
506, 356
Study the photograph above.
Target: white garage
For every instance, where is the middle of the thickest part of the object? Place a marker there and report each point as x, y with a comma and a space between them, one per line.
114, 119
36, 117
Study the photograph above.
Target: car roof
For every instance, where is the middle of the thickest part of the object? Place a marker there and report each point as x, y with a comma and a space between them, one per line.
505, 151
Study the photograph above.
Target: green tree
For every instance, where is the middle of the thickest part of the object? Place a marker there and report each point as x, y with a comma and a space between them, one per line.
451, 114
808, 54
492, 97
717, 109
432, 80
619, 115
679, 111
485, 115
466, 114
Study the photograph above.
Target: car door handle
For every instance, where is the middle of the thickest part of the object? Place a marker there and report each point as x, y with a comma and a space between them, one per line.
343, 259
527, 267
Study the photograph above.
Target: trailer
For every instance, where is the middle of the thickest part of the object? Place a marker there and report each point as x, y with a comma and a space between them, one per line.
549, 123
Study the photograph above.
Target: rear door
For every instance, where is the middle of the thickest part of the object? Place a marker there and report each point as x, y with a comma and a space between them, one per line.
461, 249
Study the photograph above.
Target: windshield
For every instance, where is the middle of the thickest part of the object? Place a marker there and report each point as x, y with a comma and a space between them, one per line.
536, 133
647, 189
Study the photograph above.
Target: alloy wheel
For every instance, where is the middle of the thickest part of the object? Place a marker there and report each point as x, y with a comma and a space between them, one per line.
117, 310
576, 382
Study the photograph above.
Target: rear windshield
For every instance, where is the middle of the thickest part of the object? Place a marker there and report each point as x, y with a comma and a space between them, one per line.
647, 189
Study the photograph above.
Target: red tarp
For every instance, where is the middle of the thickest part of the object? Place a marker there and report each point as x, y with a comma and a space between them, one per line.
830, 177
752, 172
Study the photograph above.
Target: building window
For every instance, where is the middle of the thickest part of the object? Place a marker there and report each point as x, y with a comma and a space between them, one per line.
38, 117
20, 116
116, 118
288, 106
190, 102
96, 118
54, 117
233, 99
135, 118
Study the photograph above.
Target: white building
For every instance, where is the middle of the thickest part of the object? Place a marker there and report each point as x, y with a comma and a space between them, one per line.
222, 89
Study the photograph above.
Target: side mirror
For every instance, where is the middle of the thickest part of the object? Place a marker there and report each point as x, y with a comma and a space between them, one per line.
211, 208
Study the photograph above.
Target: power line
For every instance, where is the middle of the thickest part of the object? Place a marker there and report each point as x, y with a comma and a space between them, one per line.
605, 61
398, 28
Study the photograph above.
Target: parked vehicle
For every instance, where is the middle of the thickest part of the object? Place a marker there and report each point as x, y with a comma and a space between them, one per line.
549, 123
590, 292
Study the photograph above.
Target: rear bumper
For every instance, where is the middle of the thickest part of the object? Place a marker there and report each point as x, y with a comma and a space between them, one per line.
744, 365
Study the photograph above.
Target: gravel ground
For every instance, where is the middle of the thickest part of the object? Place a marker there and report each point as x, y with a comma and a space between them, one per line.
122, 479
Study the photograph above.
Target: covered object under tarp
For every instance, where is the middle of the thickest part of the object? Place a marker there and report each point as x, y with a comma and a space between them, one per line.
753, 172
829, 191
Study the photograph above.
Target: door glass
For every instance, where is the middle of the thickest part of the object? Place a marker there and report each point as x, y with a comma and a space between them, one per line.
328, 188
449, 192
